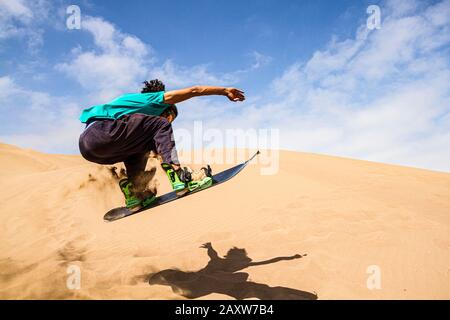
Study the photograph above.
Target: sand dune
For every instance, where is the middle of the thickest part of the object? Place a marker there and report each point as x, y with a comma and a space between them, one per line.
345, 215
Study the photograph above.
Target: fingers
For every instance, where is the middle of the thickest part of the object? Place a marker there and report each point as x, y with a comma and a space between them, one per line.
236, 95
205, 245
238, 92
241, 96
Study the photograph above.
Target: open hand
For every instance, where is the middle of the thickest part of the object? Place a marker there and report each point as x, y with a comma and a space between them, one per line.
235, 94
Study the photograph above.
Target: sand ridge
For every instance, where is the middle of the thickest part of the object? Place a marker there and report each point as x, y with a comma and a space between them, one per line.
339, 216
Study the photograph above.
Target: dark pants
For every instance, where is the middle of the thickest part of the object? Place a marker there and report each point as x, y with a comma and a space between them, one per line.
128, 139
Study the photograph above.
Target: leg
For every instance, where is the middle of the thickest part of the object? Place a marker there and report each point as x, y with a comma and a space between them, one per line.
165, 143
138, 177
135, 165
127, 140
165, 146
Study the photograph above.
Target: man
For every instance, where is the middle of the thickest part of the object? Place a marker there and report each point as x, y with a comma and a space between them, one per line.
129, 127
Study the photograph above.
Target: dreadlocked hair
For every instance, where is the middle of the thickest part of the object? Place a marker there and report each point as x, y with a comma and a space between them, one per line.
153, 86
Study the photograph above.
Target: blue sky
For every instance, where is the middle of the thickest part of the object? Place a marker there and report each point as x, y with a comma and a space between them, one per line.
311, 69
222, 34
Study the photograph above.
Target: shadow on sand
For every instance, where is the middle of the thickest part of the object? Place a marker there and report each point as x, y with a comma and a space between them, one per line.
220, 276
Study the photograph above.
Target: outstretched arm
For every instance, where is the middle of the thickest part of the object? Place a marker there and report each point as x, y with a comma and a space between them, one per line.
274, 260
176, 96
211, 252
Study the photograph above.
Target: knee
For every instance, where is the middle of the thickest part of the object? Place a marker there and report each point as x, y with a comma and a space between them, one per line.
89, 151
84, 150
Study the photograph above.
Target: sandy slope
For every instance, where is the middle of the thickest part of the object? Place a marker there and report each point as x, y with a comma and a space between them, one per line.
346, 215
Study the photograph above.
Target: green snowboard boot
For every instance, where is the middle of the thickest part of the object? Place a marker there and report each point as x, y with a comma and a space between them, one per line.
182, 182
201, 183
178, 183
133, 201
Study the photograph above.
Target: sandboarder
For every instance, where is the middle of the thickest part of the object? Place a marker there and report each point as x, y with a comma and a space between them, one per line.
129, 127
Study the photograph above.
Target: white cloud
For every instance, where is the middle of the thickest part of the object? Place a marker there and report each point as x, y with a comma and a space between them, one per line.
439, 14
38, 124
7, 87
16, 8
382, 95
179, 76
24, 19
401, 8
118, 64
261, 60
